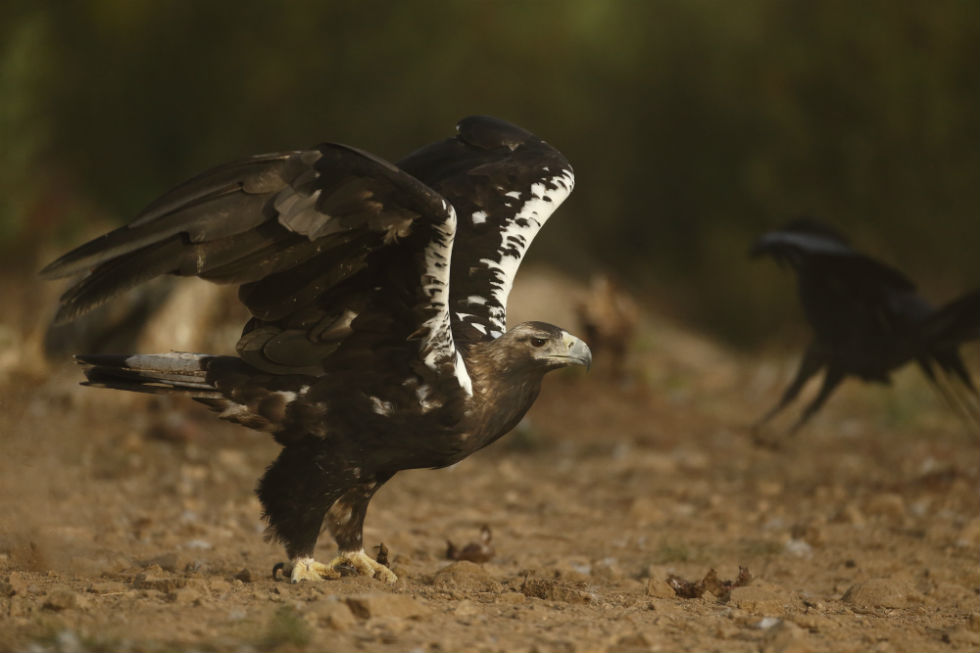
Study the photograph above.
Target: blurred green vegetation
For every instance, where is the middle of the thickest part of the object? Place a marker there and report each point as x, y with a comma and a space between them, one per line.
692, 124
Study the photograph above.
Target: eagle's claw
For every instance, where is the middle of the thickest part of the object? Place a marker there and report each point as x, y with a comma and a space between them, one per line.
359, 562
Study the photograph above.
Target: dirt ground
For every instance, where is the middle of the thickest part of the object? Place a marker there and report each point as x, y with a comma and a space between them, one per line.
129, 523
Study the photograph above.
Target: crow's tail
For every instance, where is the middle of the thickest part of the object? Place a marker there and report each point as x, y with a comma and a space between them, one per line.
154, 373
943, 332
955, 323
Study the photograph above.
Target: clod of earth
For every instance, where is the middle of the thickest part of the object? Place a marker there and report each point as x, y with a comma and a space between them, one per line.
721, 589
481, 551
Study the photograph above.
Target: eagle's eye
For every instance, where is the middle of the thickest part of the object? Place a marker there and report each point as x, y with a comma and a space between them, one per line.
538, 342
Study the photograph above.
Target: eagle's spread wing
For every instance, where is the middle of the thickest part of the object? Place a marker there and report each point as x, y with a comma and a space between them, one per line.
340, 255
504, 183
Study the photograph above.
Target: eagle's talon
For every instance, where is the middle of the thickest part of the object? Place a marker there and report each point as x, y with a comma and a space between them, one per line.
280, 566
364, 565
348, 563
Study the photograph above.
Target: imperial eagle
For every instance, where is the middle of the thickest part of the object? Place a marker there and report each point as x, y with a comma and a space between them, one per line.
378, 297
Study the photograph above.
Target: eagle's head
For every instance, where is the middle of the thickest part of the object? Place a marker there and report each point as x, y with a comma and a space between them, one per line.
538, 347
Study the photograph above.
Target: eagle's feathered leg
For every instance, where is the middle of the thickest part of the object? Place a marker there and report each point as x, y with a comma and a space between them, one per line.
309, 488
345, 521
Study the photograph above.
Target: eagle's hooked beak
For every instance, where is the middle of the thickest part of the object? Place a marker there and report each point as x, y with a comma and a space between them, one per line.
578, 352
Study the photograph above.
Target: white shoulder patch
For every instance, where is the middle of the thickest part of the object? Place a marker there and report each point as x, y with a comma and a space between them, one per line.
516, 237
438, 346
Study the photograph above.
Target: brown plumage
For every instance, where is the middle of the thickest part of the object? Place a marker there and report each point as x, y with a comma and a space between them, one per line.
378, 296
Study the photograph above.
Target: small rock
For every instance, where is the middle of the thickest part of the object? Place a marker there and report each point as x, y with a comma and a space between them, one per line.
511, 597
881, 593
334, 614
762, 598
6, 589
811, 532
768, 622
107, 587
798, 548
644, 511
156, 581
554, 590
969, 535
887, 505
166, 562
973, 623
659, 588
607, 569
955, 596
367, 606
62, 599
466, 608
467, 576
634, 642
20, 582
244, 575
851, 514
787, 636
188, 596
769, 488
219, 585
197, 566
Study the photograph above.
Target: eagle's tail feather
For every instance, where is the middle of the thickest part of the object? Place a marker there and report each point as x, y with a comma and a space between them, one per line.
153, 373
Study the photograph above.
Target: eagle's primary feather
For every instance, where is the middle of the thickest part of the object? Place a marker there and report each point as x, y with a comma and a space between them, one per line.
378, 296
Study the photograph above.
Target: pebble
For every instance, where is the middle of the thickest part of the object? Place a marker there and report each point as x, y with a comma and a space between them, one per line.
969, 535
334, 614
768, 622
367, 606
886, 505
467, 576
955, 595
659, 588
219, 585
166, 562
644, 511
851, 514
64, 599
107, 587
153, 580
762, 598
881, 593
554, 590
21, 583
798, 548
787, 636
511, 597
188, 596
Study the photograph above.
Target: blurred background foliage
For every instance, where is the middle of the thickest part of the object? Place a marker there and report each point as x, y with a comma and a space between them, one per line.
693, 125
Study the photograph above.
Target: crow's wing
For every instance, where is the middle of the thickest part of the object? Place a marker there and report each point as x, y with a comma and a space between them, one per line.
504, 183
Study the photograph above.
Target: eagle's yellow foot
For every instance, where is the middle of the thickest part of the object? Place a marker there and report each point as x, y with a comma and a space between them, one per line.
304, 569
364, 564
309, 569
